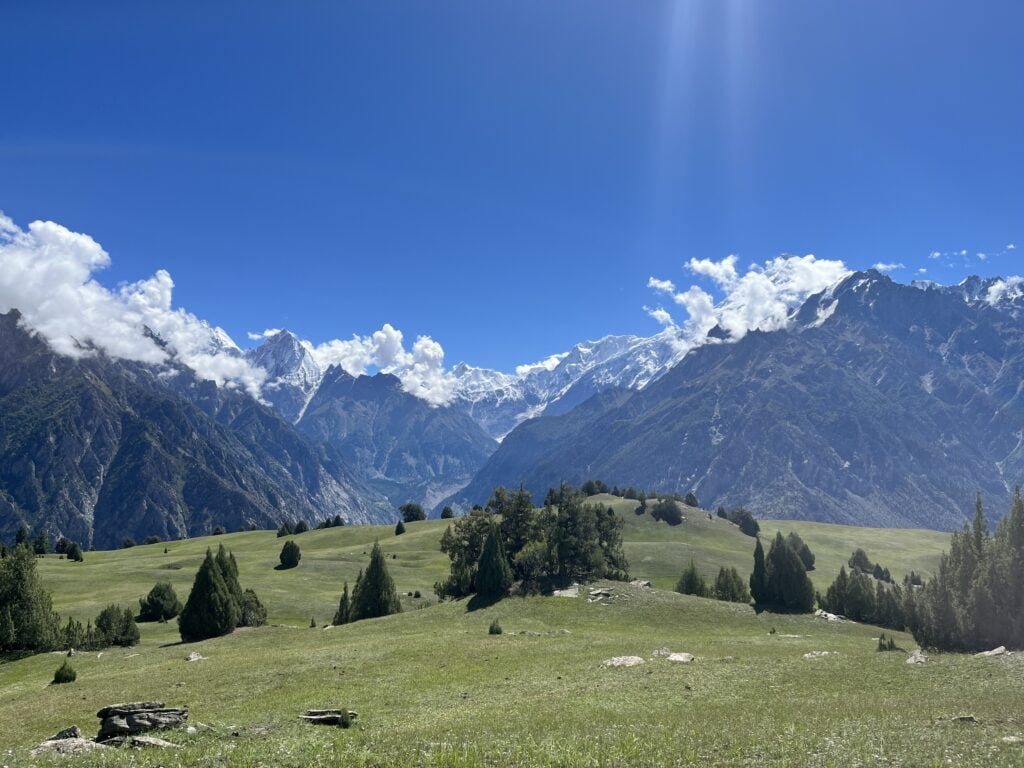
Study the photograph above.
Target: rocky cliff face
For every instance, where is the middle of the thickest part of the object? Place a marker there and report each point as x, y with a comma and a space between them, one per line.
403, 447
880, 404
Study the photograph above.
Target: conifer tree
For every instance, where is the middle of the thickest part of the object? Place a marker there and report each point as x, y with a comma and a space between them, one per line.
493, 576
229, 572
692, 582
210, 610
399, 528
344, 608
161, 603
290, 555
375, 593
788, 587
759, 576
27, 620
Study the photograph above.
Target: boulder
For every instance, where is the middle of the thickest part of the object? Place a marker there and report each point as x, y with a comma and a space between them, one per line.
138, 717
828, 616
640, 583
1000, 651
71, 732
329, 717
195, 656
917, 657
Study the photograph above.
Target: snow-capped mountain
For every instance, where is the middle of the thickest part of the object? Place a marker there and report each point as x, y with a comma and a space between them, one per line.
500, 401
292, 374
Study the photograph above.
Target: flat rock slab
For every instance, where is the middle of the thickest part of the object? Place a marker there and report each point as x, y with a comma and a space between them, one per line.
73, 746
195, 656
685, 658
138, 717
819, 654
623, 661
141, 741
1000, 651
917, 657
573, 591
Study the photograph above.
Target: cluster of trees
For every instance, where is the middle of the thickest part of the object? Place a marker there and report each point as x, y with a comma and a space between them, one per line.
374, 593
859, 561
29, 623
40, 544
779, 581
666, 510
976, 600
217, 603
861, 596
287, 529
411, 512
728, 585
161, 604
741, 518
563, 542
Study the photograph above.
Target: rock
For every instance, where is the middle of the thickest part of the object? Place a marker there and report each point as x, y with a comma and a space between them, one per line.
137, 717
71, 652
71, 732
1000, 651
685, 658
828, 616
640, 583
917, 657
195, 656
623, 661
141, 741
964, 719
572, 591
600, 593
819, 654
663, 651
72, 746
1012, 740
329, 717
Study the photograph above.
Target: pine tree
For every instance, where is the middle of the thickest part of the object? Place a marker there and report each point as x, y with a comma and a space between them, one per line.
160, 604
759, 576
787, 584
692, 582
210, 610
493, 576
399, 528
344, 608
729, 586
375, 593
229, 572
290, 554
516, 522
32, 624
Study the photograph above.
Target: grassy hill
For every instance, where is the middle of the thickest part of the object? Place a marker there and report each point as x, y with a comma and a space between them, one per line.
433, 688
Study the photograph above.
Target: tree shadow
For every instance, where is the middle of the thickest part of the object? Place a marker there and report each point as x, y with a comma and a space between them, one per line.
476, 602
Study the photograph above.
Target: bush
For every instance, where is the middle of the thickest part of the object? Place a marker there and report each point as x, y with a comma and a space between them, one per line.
495, 628
75, 552
301, 527
290, 554
284, 530
127, 543
160, 604
746, 522
65, 674
152, 540
691, 500
400, 528
447, 513
253, 613
116, 626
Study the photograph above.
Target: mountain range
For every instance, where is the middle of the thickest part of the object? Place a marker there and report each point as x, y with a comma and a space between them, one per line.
877, 403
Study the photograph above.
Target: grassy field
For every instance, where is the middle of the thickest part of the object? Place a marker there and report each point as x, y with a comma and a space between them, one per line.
434, 689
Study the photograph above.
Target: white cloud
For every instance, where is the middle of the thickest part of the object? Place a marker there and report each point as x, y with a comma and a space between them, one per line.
921, 271
1011, 246
762, 298
883, 266
548, 364
46, 272
266, 334
421, 369
935, 255
1008, 288
664, 286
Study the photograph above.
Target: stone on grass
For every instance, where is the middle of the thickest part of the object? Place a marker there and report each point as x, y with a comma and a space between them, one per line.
685, 658
71, 732
73, 746
195, 656
1012, 740
138, 717
819, 654
640, 583
821, 614
141, 741
1000, 651
917, 657
623, 661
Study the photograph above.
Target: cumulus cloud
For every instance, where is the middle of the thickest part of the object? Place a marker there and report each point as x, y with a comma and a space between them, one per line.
548, 364
420, 369
663, 286
47, 273
761, 298
265, 334
888, 266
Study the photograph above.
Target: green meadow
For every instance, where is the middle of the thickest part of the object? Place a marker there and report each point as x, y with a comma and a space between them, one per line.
432, 688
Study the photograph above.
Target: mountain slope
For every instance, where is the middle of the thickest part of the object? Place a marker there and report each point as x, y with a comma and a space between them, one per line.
96, 450
400, 445
881, 404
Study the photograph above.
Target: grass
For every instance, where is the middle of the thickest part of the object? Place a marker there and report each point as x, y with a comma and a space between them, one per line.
433, 688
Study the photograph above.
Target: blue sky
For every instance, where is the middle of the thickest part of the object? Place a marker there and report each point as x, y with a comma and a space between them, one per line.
506, 177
